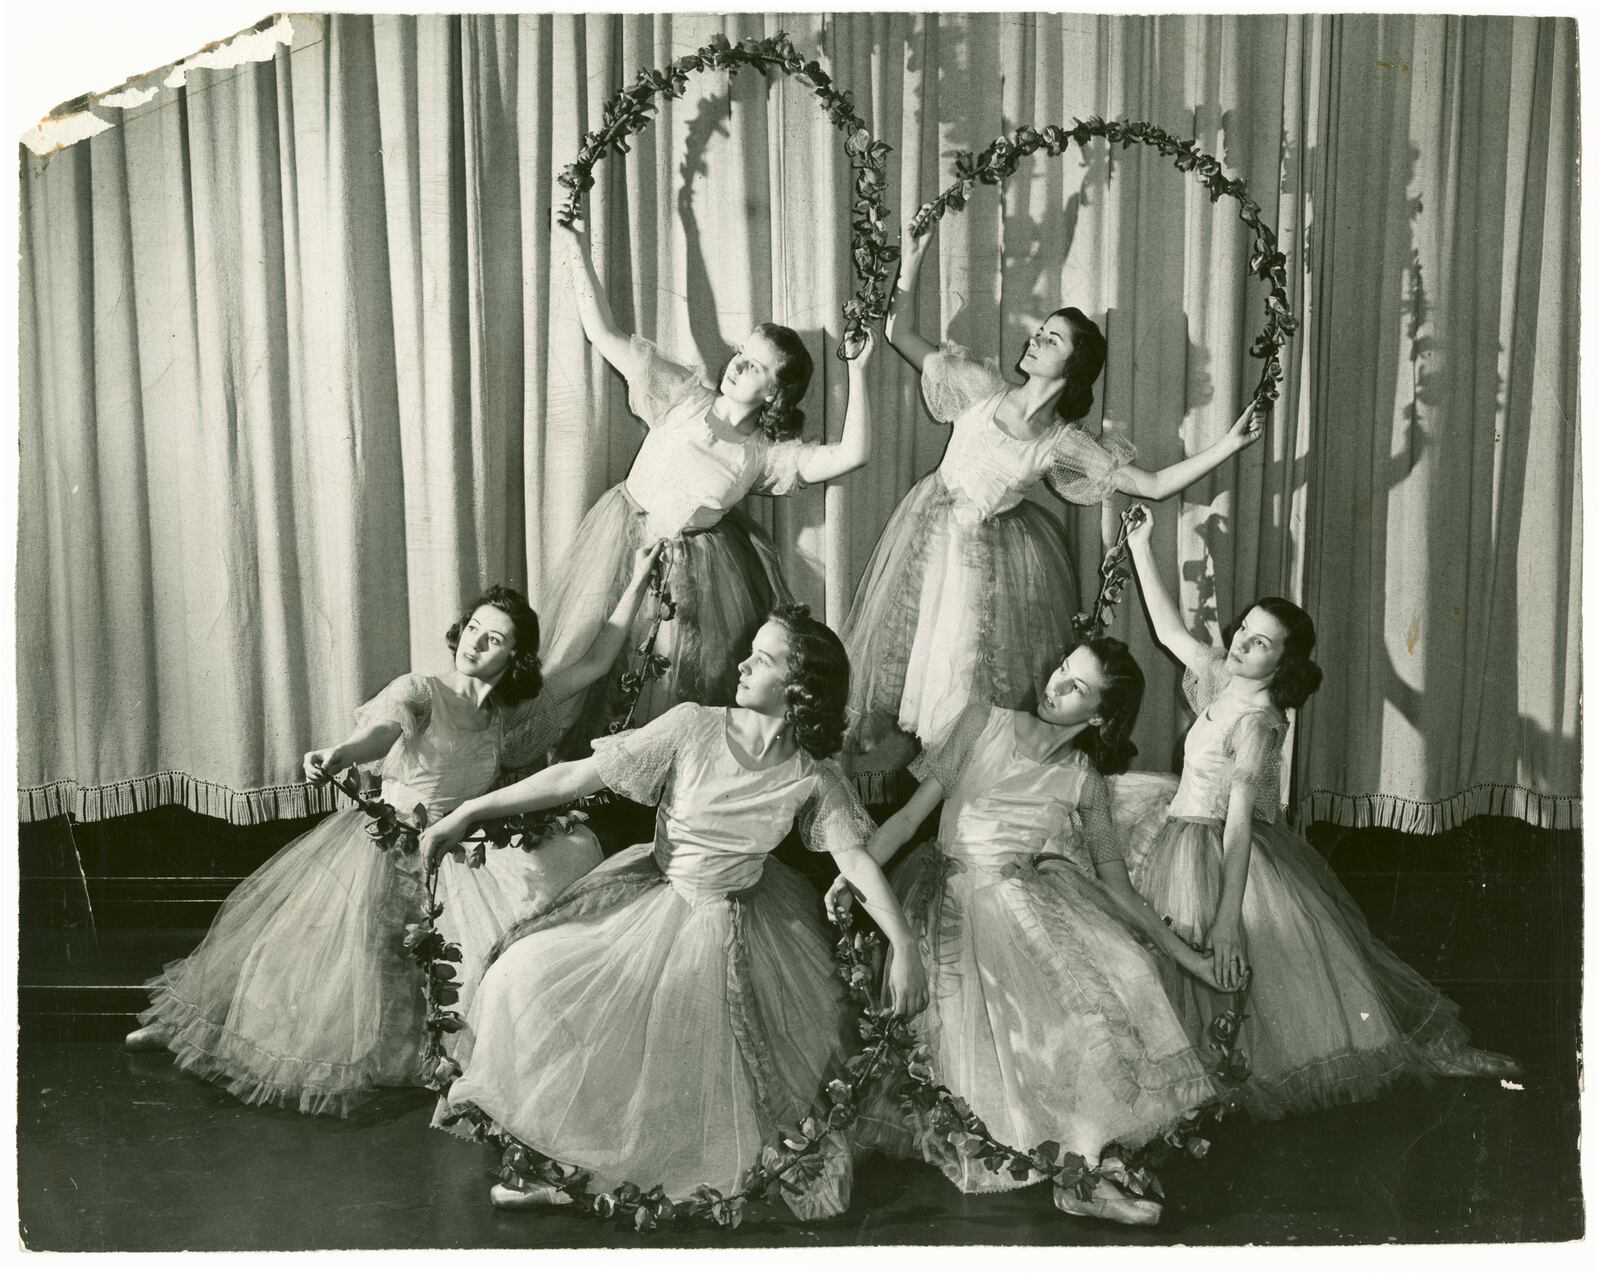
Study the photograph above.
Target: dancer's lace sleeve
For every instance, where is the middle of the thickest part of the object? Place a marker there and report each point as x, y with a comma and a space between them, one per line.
636, 763
832, 820
945, 763
531, 729
406, 701
658, 384
1083, 470
1204, 681
780, 467
1256, 741
1100, 839
952, 380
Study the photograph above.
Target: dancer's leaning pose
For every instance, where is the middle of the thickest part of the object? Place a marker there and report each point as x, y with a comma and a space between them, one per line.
707, 447
1332, 1015
970, 591
1045, 1012
678, 1006
301, 994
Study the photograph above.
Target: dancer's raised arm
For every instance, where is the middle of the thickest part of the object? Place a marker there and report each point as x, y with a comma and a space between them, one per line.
594, 310
910, 345
564, 679
826, 461
1165, 482
1165, 619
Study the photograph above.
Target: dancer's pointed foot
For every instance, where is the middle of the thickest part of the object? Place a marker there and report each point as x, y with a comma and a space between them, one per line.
527, 1197
1108, 1202
1470, 1063
147, 1038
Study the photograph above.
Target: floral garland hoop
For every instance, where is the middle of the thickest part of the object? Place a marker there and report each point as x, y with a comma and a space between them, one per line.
999, 159
630, 110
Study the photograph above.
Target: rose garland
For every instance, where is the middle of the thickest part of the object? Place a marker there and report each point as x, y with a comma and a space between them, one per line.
1086, 625
1000, 158
652, 666
796, 1159
886, 1045
630, 110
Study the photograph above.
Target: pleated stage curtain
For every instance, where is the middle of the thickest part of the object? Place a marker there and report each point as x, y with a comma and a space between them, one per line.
296, 380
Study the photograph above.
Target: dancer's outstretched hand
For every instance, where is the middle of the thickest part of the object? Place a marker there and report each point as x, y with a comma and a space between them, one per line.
840, 900
908, 984
644, 559
1199, 967
860, 348
1248, 429
1228, 961
322, 764
1141, 526
441, 837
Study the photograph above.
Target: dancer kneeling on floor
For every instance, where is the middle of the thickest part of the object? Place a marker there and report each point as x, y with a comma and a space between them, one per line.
678, 1006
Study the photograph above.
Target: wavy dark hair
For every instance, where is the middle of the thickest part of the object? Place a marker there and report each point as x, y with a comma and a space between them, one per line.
782, 418
1109, 745
1297, 677
817, 684
523, 679
1084, 364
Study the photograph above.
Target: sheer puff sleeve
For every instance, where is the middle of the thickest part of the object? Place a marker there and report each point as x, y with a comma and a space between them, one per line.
406, 701
1083, 470
832, 820
531, 728
944, 763
952, 380
1205, 680
1256, 744
1096, 823
658, 384
636, 763
780, 467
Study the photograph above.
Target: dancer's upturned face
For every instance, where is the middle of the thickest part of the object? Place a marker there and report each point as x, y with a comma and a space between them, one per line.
764, 674
1048, 349
751, 377
1072, 694
487, 644
1257, 646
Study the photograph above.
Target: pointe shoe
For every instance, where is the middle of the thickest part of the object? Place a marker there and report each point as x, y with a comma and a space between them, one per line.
526, 1197
1472, 1063
147, 1038
1109, 1202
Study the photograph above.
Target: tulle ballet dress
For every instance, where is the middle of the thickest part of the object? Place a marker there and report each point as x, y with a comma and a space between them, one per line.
301, 994
1333, 1015
686, 481
1045, 1013
970, 593
677, 1006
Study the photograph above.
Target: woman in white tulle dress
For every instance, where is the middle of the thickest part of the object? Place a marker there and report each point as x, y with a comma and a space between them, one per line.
1046, 1012
301, 994
678, 1006
1333, 1015
705, 449
970, 592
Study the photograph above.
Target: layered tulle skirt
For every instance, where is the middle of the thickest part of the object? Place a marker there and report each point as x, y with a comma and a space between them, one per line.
301, 994
954, 609
1332, 1014
658, 1037
1045, 1014
724, 580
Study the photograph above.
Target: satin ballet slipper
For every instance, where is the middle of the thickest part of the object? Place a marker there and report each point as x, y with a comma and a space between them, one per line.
1109, 1202
147, 1038
526, 1197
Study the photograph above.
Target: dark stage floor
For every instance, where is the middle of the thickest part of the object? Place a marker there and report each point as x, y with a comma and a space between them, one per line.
122, 1152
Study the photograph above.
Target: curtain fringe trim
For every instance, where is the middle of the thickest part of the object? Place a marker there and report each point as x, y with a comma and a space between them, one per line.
302, 800
1431, 817
138, 795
